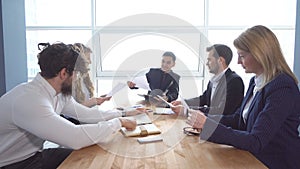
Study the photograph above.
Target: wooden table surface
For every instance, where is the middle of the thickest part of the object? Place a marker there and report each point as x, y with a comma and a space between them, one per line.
177, 150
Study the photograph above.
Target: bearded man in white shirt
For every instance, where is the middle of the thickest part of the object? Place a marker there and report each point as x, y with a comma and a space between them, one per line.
30, 114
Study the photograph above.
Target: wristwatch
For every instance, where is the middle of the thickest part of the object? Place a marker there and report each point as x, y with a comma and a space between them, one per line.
123, 113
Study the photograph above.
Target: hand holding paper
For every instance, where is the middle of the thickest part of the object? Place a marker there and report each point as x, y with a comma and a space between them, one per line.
141, 81
101, 99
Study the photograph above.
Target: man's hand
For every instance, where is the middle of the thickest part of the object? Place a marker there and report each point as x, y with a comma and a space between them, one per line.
179, 109
196, 119
129, 124
176, 102
130, 84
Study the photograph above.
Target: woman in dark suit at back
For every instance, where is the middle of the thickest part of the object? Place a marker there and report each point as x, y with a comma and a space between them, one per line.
267, 122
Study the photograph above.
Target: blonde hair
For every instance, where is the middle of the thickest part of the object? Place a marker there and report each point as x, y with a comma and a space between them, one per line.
264, 46
82, 74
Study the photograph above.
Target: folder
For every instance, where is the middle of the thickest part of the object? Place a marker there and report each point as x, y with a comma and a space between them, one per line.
141, 131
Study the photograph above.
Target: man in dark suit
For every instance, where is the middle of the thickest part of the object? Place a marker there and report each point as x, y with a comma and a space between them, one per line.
225, 91
163, 81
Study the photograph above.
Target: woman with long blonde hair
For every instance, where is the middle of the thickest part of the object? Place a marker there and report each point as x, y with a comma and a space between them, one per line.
83, 88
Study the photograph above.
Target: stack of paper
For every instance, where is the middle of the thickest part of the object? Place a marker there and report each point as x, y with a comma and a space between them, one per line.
142, 119
150, 139
163, 111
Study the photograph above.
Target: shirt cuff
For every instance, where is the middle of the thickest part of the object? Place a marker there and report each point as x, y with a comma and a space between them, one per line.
115, 124
120, 113
185, 111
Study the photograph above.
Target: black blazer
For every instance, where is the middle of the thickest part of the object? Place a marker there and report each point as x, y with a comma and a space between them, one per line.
166, 82
227, 98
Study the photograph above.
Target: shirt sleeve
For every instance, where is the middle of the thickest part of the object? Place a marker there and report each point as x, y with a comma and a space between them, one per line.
39, 118
88, 115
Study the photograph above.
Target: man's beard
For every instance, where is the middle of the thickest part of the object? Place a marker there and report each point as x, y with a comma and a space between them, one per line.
214, 69
66, 88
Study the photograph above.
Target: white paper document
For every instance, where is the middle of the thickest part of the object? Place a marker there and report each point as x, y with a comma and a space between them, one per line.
141, 82
150, 139
116, 89
163, 111
142, 119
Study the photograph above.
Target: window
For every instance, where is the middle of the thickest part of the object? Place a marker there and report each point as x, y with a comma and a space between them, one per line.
127, 37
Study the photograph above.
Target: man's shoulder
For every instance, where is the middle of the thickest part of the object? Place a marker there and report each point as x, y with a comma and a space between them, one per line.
174, 75
153, 72
233, 79
231, 74
159, 71
154, 69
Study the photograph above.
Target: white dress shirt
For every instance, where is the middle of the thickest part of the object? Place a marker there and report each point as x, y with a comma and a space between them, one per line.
215, 81
258, 84
30, 114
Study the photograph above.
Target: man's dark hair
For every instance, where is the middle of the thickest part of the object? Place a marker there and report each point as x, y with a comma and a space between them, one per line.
221, 50
53, 58
171, 54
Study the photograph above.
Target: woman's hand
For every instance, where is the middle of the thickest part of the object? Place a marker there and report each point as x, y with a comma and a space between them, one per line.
101, 99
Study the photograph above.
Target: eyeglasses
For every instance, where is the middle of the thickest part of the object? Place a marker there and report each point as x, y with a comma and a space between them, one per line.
190, 131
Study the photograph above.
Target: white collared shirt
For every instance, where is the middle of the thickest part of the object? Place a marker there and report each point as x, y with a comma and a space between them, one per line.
215, 81
258, 84
30, 114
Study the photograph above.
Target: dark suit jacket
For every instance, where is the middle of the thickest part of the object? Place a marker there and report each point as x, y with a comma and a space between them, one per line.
271, 130
166, 82
227, 98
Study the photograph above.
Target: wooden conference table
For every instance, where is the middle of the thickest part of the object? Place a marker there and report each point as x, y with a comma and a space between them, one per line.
177, 150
